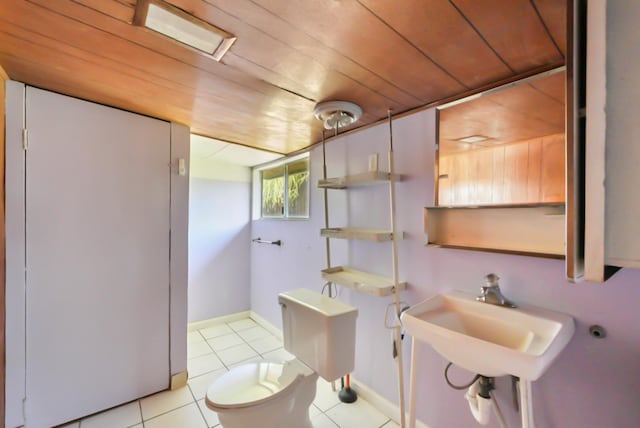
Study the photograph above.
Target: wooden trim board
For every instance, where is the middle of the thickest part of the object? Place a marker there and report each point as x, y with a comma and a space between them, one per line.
3, 362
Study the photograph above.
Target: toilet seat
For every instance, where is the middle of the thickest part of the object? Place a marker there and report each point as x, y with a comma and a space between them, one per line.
252, 384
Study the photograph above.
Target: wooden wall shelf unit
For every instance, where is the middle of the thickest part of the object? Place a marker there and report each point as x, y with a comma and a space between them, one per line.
364, 282
358, 180
534, 230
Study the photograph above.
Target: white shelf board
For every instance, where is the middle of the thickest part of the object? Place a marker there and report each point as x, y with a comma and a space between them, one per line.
363, 282
374, 235
363, 179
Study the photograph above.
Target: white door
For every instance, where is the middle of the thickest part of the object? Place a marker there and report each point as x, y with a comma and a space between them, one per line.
97, 276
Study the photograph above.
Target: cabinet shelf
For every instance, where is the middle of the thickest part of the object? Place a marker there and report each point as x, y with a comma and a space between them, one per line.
374, 235
357, 180
363, 282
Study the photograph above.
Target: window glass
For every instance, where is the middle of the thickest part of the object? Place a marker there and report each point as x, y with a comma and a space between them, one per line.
285, 190
298, 188
273, 192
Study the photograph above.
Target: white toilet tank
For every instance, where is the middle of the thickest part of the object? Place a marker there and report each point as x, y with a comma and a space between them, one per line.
319, 331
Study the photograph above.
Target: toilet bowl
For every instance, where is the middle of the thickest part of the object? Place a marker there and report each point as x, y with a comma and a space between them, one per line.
264, 394
320, 333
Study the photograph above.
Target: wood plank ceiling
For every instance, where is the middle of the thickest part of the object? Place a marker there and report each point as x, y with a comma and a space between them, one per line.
288, 56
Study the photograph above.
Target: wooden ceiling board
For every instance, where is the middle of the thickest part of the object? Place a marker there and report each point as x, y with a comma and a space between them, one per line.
276, 27
553, 86
529, 102
189, 84
130, 37
554, 14
441, 32
114, 8
514, 30
349, 28
89, 83
288, 56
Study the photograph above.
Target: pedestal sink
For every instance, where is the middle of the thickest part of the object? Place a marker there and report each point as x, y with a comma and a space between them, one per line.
490, 340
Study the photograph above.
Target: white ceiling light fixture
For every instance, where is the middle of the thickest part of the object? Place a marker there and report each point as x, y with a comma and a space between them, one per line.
178, 25
337, 114
472, 139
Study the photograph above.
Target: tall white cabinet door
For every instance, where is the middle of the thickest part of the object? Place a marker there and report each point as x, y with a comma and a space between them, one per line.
97, 276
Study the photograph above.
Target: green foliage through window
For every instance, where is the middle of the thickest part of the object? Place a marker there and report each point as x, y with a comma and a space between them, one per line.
285, 190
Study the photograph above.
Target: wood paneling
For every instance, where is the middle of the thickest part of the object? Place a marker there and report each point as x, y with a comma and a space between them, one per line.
3, 275
525, 172
459, 54
529, 45
288, 57
554, 15
516, 159
553, 168
516, 113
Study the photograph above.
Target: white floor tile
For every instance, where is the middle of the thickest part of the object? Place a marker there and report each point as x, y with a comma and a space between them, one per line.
185, 417
391, 424
265, 344
223, 342
214, 331
165, 401
119, 417
200, 365
254, 333
210, 416
194, 336
326, 398
242, 324
278, 355
243, 362
322, 421
138, 426
360, 414
313, 411
236, 354
199, 385
197, 349
71, 425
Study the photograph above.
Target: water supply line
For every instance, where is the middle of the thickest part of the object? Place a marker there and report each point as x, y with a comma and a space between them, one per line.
480, 397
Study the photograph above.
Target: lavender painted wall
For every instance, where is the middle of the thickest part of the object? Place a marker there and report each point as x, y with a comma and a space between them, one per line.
219, 242
594, 383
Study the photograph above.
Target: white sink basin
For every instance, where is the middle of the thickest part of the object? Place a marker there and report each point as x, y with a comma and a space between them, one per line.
487, 339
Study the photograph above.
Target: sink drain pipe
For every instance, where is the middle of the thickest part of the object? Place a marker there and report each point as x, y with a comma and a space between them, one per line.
480, 397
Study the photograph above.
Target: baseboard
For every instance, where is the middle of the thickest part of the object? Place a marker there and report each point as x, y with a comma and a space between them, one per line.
266, 324
218, 320
179, 380
382, 404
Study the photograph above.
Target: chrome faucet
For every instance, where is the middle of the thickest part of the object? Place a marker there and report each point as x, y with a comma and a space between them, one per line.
491, 293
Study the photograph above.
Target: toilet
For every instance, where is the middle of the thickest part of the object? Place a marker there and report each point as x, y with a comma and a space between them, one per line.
320, 333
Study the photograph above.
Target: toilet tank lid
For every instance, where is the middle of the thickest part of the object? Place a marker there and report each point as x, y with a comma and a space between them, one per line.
311, 299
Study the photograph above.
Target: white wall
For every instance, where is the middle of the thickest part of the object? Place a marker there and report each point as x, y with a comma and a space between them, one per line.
594, 383
219, 239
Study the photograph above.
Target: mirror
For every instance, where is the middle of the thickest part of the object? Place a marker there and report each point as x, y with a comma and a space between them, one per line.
505, 146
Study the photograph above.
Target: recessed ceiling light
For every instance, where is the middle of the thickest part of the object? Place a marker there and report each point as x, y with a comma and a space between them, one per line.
473, 139
183, 27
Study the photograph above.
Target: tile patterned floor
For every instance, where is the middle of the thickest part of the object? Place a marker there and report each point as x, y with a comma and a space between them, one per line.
211, 352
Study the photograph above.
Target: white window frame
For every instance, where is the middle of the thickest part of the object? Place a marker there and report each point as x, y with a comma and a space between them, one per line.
257, 189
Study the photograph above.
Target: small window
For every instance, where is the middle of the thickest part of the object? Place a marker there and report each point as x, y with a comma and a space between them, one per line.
285, 190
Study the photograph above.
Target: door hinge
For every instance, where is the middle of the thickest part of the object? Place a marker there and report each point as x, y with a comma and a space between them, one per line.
25, 139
